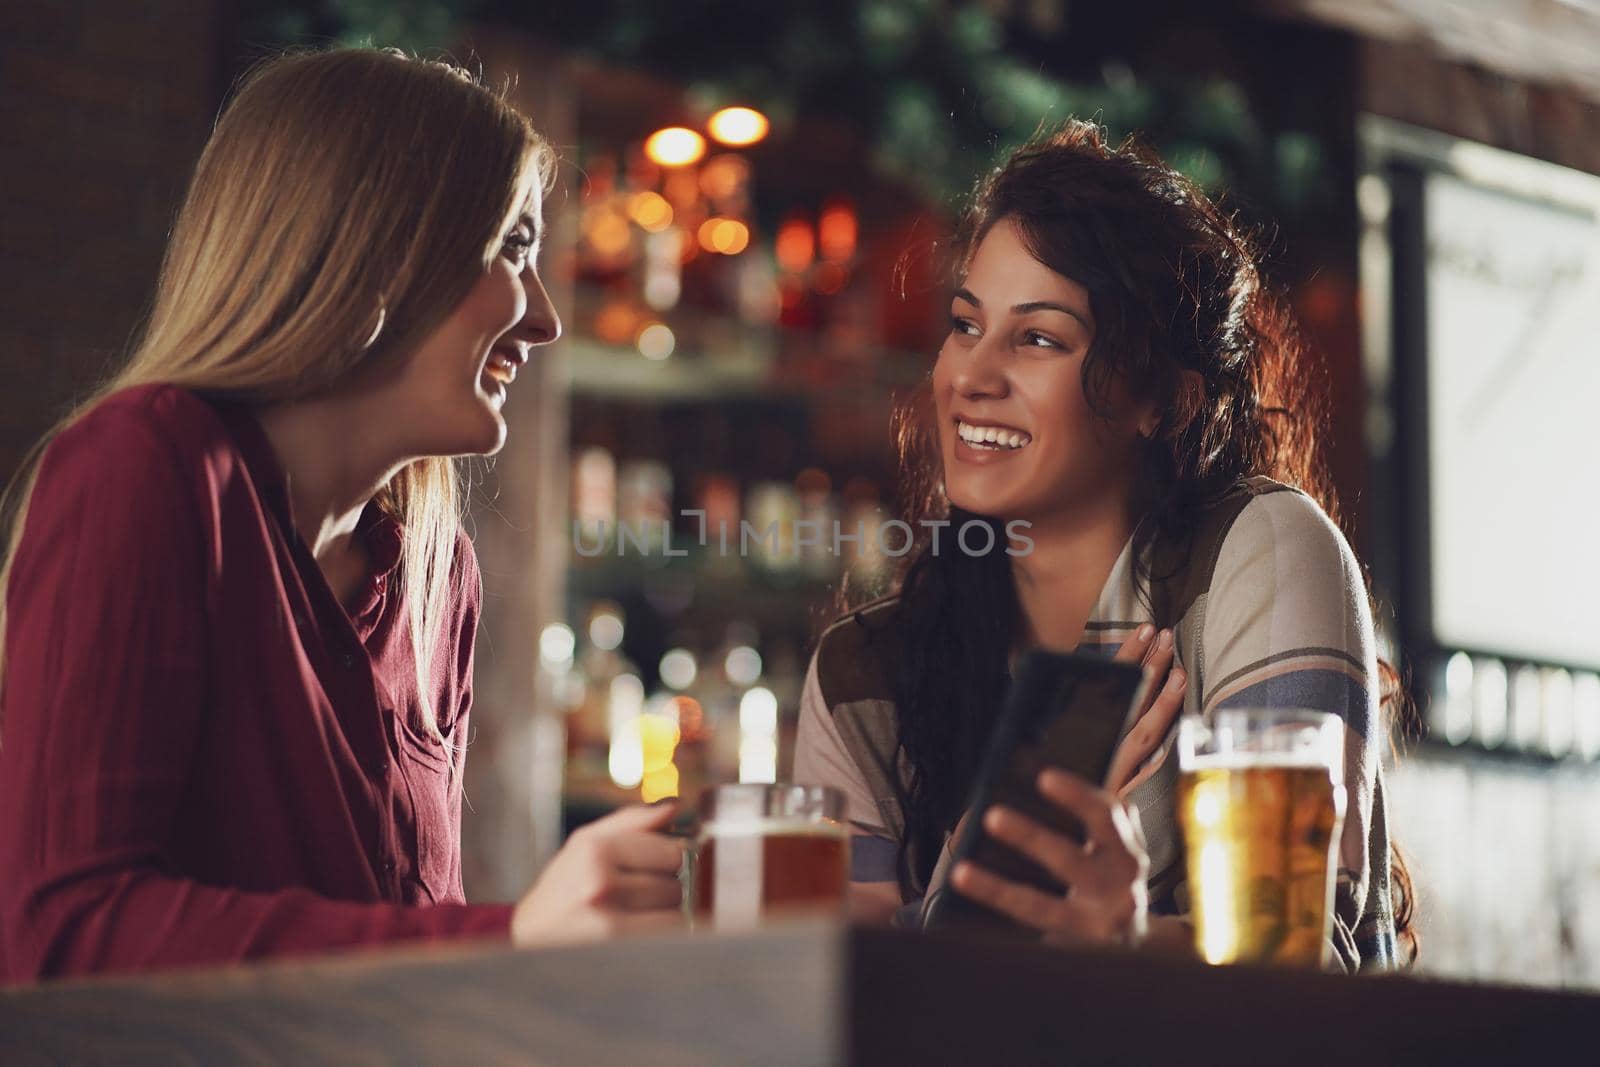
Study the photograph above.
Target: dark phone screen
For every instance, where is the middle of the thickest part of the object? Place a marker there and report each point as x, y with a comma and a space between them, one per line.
1062, 711
1076, 729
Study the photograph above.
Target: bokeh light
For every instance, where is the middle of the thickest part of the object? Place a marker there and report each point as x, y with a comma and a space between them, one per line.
659, 785
656, 341
795, 245
605, 630
727, 236
650, 210
742, 665
724, 176
836, 231
607, 232
675, 146
678, 668
738, 126
556, 644
758, 713
615, 323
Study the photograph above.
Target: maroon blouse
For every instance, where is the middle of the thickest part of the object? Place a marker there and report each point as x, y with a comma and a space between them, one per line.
204, 757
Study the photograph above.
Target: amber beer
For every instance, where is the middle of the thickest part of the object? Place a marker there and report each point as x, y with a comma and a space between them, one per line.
1261, 803
768, 851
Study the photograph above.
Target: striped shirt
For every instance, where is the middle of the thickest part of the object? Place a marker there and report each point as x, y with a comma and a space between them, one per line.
1285, 622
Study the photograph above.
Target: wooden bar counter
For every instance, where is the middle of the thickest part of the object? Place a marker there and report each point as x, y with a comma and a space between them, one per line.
800, 993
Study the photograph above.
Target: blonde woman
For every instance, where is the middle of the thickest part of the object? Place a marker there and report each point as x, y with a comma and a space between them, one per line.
239, 611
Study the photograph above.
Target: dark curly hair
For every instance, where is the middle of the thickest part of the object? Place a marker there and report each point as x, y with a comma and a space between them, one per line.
1184, 320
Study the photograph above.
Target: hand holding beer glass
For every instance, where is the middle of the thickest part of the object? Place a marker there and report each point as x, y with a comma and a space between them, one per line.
1261, 801
765, 851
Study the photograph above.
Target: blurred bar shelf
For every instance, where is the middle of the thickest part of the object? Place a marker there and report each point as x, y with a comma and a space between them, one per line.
744, 365
717, 358
811, 992
600, 369
746, 587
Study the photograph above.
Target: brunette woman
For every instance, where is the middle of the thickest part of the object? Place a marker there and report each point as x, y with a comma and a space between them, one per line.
1119, 401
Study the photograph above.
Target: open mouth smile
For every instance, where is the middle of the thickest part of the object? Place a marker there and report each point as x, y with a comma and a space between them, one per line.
991, 438
500, 370
502, 366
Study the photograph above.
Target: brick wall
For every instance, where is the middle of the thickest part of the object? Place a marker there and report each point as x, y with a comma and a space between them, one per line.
104, 107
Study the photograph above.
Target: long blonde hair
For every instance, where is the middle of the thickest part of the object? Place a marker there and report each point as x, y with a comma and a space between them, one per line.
346, 202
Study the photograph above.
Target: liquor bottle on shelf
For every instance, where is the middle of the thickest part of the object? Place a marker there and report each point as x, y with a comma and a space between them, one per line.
866, 561
717, 498
731, 668
785, 677
644, 506
594, 499
771, 509
589, 725
819, 518
674, 724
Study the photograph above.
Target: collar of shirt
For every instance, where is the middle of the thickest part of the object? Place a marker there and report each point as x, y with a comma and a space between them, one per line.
380, 531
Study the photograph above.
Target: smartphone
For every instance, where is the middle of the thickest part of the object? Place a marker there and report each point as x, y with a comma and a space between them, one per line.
1064, 711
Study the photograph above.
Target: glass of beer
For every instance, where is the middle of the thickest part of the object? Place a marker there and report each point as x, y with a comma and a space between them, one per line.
1261, 801
769, 850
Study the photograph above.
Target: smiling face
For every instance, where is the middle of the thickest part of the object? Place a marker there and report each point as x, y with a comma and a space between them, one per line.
1017, 434
451, 391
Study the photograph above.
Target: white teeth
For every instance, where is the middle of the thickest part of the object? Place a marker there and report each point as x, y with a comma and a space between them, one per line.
500, 368
991, 436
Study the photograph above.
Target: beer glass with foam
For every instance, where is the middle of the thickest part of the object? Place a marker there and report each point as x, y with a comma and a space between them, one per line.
1261, 801
765, 851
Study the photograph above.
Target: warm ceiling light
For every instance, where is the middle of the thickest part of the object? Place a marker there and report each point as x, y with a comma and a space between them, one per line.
675, 146
738, 125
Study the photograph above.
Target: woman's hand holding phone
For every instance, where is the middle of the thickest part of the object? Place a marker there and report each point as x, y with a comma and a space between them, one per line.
1106, 902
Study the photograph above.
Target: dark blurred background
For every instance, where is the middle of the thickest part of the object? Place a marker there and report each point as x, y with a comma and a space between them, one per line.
743, 318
